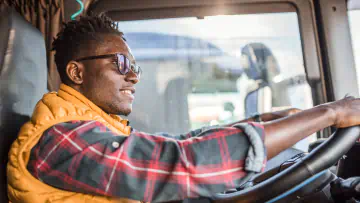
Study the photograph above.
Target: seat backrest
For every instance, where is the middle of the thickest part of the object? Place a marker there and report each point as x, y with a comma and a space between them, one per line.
258, 100
167, 110
23, 80
176, 106
261, 66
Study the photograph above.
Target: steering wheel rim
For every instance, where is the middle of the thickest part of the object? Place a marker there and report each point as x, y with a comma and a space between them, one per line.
321, 158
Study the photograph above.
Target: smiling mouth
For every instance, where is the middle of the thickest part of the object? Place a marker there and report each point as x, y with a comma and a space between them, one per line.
127, 92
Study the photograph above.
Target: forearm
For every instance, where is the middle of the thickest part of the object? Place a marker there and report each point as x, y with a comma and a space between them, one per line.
191, 134
265, 117
251, 119
284, 133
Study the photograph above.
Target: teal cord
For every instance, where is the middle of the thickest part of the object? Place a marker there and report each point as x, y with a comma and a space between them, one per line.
79, 11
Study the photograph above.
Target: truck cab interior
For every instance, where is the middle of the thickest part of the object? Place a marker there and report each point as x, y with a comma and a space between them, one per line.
208, 63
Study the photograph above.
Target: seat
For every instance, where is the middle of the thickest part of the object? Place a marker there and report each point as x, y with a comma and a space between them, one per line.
23, 80
176, 106
258, 100
258, 96
168, 105
261, 66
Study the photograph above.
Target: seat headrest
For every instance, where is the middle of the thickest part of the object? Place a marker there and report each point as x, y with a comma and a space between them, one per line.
23, 68
259, 62
23, 80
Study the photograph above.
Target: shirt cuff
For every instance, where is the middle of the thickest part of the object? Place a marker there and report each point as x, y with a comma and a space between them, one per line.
256, 158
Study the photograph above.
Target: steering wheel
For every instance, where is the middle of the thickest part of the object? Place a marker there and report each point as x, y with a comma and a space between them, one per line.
321, 158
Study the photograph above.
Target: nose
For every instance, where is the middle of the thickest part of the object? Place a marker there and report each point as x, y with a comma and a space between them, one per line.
131, 77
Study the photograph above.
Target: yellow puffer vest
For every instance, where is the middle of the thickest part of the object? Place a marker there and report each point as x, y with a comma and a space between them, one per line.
53, 108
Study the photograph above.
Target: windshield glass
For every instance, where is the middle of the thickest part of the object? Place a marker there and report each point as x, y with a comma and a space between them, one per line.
215, 70
354, 17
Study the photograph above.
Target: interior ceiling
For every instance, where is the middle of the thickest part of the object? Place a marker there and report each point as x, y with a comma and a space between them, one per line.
144, 9
116, 5
99, 6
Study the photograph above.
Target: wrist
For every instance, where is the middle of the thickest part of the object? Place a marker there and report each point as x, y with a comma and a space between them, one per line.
270, 116
331, 112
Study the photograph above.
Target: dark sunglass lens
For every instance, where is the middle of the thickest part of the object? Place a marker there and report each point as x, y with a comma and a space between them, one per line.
127, 65
134, 68
139, 72
122, 64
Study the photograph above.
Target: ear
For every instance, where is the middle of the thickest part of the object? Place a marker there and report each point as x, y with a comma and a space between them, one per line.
75, 72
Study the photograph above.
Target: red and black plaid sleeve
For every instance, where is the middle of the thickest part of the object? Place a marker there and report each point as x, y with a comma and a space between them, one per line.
86, 157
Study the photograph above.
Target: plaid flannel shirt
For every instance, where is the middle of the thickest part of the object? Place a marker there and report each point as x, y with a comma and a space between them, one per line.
87, 157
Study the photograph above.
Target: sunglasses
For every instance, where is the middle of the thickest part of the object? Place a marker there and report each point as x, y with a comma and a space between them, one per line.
122, 62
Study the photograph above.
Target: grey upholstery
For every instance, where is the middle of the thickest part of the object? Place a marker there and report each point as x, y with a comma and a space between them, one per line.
23, 80
261, 66
176, 106
157, 111
258, 100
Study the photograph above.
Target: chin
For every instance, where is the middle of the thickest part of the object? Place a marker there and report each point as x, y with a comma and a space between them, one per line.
125, 111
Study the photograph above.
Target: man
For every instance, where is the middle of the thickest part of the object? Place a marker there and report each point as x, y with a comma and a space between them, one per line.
76, 148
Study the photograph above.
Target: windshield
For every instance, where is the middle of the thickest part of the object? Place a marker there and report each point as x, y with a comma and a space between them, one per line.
215, 70
354, 17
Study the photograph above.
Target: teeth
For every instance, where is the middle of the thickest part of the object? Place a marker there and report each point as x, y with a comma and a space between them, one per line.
126, 92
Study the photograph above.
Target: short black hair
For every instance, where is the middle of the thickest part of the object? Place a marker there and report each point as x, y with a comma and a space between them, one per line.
76, 35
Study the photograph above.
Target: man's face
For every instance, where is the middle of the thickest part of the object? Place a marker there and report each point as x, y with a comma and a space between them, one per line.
102, 82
